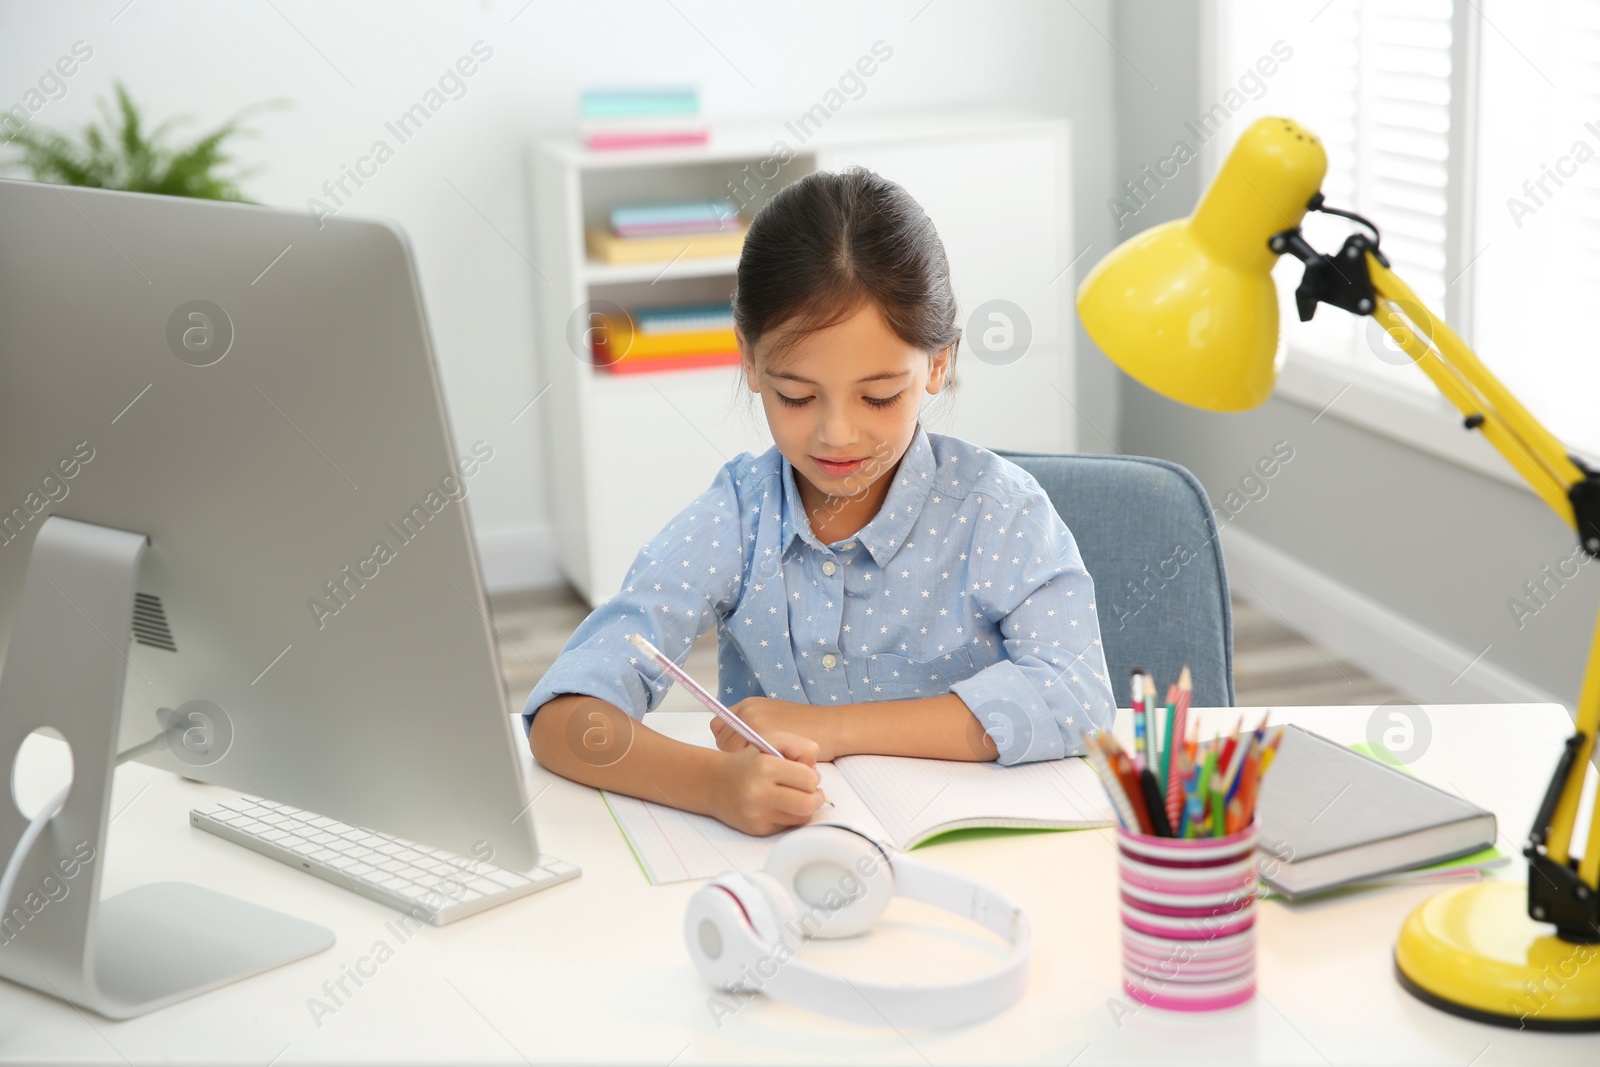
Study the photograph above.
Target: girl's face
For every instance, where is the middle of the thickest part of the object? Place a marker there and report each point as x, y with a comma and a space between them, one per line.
842, 402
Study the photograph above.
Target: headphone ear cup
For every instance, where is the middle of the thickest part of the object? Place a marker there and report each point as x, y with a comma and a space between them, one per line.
838, 880
733, 923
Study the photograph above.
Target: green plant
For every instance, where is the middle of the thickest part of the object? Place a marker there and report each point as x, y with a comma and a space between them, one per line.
122, 155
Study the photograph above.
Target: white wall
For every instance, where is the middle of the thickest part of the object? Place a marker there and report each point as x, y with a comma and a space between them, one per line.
458, 185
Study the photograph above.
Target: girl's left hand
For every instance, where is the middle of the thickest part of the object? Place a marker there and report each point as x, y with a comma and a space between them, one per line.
766, 716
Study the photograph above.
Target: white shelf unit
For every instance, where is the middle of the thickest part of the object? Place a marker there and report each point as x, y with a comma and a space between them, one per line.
626, 453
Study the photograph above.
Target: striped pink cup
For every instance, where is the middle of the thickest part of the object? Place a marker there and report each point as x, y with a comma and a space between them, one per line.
1188, 919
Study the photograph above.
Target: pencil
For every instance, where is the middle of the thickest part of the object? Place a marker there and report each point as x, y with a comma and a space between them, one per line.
1249, 779
1168, 714
1208, 770
1123, 767
1232, 742
1136, 687
1155, 804
1119, 800
1272, 749
696, 690
1180, 729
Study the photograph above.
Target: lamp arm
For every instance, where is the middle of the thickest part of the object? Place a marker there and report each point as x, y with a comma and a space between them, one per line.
1559, 890
1488, 405
1358, 279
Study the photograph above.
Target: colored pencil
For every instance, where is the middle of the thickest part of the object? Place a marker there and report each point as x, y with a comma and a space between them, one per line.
1140, 729
1180, 730
1155, 804
1096, 755
1123, 767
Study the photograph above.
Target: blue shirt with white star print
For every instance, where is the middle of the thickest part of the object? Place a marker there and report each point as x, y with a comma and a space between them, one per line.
965, 582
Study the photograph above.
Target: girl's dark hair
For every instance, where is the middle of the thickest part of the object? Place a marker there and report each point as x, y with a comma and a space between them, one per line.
832, 241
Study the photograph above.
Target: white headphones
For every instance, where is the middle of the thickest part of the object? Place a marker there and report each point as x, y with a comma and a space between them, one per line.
825, 881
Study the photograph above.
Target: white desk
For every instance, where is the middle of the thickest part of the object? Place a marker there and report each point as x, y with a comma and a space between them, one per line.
595, 971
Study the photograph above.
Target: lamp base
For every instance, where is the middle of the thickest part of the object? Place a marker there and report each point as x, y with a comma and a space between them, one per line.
1472, 951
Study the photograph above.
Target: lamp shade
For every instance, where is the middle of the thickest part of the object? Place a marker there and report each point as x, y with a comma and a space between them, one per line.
1188, 308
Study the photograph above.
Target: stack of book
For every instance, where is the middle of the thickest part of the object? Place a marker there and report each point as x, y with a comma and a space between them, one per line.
1388, 826
659, 339
643, 233
641, 117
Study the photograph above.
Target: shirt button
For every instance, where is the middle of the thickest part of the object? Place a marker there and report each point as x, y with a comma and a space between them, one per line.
829, 567
848, 545
830, 661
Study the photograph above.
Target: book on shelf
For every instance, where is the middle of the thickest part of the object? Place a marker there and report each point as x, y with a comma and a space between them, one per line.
622, 348
700, 216
632, 102
606, 247
683, 319
620, 118
603, 140
662, 229
657, 364
682, 212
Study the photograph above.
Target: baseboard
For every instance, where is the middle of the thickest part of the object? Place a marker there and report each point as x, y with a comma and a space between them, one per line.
521, 559
1387, 645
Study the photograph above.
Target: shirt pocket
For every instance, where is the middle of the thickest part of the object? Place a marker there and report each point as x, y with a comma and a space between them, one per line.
893, 677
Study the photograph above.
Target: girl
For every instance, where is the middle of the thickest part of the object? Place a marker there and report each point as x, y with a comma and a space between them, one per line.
876, 588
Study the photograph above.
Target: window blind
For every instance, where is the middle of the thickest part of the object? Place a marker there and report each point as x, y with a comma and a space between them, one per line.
1374, 81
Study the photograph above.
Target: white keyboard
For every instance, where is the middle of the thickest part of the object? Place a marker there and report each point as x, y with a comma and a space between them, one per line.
429, 883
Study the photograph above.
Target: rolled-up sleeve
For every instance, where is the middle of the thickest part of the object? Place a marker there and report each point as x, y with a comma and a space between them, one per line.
1053, 685
680, 583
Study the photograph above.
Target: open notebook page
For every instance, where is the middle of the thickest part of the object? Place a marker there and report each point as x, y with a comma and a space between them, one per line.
917, 798
675, 846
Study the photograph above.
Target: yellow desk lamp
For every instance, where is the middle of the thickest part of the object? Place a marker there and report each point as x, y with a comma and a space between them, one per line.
1189, 309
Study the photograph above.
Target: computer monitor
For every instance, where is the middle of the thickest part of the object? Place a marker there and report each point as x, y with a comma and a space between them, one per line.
255, 391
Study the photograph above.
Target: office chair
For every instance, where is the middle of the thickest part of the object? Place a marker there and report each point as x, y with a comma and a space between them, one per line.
1148, 538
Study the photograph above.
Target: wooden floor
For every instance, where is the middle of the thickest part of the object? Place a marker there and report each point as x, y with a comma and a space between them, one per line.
1274, 664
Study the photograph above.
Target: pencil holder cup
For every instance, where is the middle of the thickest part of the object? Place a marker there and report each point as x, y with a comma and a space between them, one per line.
1188, 919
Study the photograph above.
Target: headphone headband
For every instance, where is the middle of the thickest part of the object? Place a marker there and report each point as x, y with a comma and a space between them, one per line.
743, 932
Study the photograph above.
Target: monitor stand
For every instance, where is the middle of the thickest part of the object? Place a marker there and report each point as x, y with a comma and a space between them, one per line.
152, 945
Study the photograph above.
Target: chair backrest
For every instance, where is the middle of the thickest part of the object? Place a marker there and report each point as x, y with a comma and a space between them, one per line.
1148, 539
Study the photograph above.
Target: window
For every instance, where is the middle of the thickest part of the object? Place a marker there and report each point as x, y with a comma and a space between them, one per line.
1470, 134
1537, 278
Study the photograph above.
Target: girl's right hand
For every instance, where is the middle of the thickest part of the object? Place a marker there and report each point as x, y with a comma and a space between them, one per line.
761, 794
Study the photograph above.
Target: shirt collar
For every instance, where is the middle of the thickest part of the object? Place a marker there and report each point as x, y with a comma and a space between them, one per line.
883, 536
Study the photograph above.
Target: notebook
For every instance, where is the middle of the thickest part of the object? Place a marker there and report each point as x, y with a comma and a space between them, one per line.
895, 799
1331, 816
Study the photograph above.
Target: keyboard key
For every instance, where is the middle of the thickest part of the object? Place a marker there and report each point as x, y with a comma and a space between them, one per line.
416, 893
509, 879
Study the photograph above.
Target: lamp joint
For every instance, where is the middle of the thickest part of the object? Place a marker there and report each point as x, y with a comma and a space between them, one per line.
1585, 497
